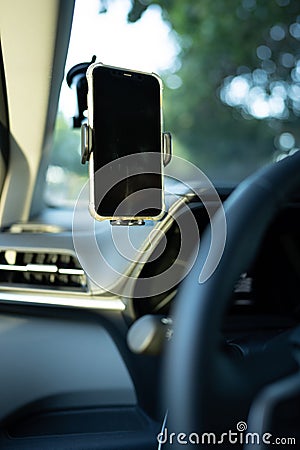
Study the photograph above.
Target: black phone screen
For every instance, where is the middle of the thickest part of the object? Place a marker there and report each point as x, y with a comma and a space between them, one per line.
127, 122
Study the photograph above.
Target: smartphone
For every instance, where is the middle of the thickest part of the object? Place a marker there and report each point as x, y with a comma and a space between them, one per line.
125, 166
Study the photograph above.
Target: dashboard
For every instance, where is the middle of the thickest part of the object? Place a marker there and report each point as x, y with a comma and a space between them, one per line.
98, 266
65, 315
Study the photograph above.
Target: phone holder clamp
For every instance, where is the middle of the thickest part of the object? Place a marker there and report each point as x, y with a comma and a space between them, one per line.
86, 145
167, 148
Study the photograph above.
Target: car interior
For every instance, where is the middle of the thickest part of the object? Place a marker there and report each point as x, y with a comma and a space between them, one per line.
177, 331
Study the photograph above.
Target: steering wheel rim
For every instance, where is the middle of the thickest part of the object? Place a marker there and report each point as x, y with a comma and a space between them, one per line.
206, 390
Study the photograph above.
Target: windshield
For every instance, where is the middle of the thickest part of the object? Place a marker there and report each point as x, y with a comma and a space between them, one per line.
231, 74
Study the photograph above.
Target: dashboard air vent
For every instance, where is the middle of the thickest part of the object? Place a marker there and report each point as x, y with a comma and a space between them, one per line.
42, 270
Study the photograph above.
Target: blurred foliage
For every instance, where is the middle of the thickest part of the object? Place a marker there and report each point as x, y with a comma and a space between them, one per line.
218, 39
66, 175
66, 146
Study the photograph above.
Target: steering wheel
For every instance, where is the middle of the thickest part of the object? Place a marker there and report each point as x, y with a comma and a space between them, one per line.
207, 390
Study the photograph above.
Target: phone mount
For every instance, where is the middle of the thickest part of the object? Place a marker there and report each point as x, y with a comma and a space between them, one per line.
76, 77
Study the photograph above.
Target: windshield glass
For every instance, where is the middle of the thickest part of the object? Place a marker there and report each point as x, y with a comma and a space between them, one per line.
231, 74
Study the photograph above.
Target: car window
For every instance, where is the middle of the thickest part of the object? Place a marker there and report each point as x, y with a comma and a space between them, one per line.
231, 73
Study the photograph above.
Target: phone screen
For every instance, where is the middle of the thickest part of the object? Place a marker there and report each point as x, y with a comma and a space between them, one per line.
127, 122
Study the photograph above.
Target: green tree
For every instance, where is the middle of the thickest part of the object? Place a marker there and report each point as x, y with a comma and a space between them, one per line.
256, 40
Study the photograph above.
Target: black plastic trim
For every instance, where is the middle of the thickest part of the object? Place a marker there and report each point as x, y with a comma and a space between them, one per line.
4, 117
